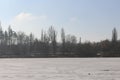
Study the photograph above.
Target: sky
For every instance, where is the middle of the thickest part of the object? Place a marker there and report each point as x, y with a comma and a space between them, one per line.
91, 20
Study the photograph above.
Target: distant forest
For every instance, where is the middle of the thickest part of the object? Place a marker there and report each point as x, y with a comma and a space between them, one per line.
18, 44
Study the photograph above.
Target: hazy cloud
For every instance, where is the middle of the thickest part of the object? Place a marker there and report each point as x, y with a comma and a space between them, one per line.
29, 22
23, 18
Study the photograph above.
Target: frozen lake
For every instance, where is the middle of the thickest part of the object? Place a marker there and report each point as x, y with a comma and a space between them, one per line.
60, 69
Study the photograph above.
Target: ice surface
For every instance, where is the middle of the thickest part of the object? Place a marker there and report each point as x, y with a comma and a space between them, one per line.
60, 69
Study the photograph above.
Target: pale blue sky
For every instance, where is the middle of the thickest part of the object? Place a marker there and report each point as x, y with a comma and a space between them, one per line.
90, 19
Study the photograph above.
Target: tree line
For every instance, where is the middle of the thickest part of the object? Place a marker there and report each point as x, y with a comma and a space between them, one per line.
18, 44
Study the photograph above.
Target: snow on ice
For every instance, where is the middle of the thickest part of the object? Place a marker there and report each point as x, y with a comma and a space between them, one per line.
60, 69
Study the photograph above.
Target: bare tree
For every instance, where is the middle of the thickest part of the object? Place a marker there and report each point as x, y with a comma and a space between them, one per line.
5, 38
63, 40
1, 35
31, 38
71, 39
20, 38
10, 33
70, 44
42, 36
114, 35
52, 35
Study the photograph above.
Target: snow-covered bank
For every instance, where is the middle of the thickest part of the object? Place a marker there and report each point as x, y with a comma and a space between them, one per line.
60, 69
